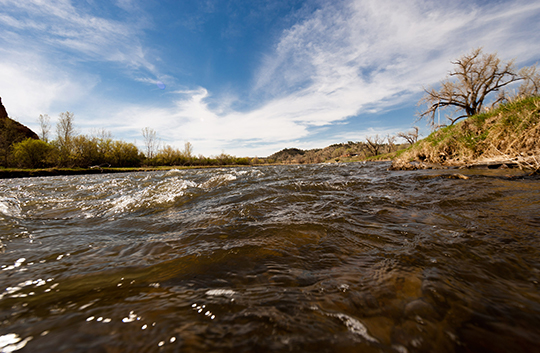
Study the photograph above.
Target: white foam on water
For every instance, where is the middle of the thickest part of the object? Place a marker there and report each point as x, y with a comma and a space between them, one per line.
10, 207
218, 180
12, 342
221, 292
173, 172
151, 195
356, 327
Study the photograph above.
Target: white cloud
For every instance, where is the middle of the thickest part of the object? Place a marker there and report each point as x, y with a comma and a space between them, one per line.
127, 5
192, 120
378, 48
30, 86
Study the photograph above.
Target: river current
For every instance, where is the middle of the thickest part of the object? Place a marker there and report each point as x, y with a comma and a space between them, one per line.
314, 258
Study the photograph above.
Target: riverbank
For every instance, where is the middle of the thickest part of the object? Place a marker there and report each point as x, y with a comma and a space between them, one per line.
9, 173
506, 137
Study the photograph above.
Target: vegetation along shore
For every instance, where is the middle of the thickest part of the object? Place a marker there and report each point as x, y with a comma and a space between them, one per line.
504, 134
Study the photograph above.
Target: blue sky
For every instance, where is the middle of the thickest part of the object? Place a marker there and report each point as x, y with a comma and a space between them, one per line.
247, 78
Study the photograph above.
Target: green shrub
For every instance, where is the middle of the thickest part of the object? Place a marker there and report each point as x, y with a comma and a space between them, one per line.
32, 153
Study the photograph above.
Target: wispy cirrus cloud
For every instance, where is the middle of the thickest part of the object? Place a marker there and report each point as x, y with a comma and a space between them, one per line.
57, 25
355, 57
382, 48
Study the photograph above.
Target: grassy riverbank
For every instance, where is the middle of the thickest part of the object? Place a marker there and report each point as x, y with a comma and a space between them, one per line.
507, 135
6, 173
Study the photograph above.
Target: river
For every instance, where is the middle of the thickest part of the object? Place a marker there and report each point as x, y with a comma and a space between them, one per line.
325, 258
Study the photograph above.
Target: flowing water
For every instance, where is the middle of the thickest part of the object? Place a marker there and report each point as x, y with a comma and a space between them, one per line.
326, 258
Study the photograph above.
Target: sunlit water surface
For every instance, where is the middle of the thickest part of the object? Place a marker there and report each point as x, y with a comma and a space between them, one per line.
326, 258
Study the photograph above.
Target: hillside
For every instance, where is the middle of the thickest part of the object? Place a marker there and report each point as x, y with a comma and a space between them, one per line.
287, 154
509, 134
339, 152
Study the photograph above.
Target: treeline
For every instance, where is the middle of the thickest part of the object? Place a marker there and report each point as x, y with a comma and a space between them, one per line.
69, 149
72, 150
169, 156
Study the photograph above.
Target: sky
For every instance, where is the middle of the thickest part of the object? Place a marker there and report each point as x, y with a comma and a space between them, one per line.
246, 77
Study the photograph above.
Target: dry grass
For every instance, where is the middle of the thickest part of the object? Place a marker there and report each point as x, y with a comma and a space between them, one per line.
511, 132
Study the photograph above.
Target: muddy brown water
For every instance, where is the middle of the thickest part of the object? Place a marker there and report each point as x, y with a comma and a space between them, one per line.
325, 258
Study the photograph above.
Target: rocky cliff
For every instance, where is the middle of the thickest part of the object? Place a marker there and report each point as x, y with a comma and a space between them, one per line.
3, 112
12, 131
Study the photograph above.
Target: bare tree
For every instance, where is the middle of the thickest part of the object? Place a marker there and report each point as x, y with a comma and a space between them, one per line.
531, 84
188, 149
150, 141
45, 127
374, 144
391, 143
410, 136
65, 131
477, 75
102, 134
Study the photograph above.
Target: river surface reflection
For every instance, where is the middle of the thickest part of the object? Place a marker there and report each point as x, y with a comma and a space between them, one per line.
326, 258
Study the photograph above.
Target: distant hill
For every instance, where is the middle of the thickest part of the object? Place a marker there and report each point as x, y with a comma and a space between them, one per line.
339, 152
287, 153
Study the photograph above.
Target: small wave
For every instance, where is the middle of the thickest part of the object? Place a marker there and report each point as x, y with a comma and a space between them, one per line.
218, 180
152, 195
356, 327
173, 172
10, 207
256, 173
353, 325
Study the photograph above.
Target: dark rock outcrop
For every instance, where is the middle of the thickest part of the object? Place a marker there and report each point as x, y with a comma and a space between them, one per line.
3, 112
12, 131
